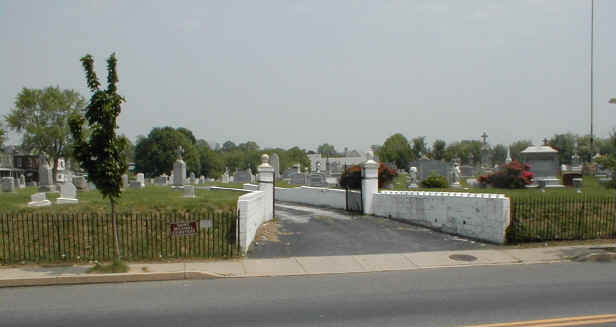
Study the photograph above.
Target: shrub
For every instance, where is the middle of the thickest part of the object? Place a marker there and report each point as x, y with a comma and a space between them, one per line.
512, 175
351, 177
434, 180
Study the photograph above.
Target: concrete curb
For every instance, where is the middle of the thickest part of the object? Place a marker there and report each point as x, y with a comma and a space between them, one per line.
107, 278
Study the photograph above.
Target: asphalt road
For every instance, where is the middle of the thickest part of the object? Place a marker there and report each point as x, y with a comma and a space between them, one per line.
438, 297
312, 231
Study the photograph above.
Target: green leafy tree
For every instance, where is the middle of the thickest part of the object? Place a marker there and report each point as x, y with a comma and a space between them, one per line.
326, 149
297, 155
565, 144
499, 154
469, 152
42, 116
584, 149
156, 153
419, 147
102, 153
212, 164
518, 146
396, 150
188, 133
2, 137
228, 146
438, 150
248, 146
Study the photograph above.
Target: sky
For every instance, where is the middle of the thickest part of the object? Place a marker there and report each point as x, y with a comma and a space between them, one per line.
301, 73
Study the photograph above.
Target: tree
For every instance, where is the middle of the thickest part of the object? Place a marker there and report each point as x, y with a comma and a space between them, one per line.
419, 147
155, 154
297, 155
565, 144
326, 150
42, 116
188, 133
2, 136
396, 150
212, 164
228, 146
102, 154
469, 152
438, 150
499, 154
248, 146
518, 146
584, 149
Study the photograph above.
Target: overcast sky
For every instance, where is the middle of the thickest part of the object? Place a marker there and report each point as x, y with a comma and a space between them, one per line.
350, 73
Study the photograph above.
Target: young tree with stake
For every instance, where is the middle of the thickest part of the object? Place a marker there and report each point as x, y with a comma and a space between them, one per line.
102, 153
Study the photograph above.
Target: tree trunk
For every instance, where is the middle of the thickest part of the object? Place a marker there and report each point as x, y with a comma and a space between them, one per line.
116, 242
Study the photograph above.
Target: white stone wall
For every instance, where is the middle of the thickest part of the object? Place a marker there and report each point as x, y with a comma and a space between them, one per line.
316, 196
251, 207
478, 216
251, 187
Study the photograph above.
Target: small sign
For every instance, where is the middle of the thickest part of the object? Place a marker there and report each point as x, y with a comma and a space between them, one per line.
184, 229
203, 224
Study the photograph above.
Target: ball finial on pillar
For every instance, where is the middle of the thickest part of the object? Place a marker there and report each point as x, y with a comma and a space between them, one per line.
264, 158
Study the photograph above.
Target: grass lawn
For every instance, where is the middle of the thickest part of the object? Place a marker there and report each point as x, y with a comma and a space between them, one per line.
150, 200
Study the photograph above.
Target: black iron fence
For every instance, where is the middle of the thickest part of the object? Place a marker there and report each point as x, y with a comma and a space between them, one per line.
52, 238
562, 217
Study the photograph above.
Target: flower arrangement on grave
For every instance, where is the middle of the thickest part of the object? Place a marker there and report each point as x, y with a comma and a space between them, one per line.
351, 177
512, 175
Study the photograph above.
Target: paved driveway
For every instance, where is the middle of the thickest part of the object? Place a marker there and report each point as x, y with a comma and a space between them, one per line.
311, 231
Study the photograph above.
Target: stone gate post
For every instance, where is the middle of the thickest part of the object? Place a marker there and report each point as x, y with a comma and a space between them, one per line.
369, 182
266, 184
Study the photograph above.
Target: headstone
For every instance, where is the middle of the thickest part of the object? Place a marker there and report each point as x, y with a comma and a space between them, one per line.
543, 161
455, 176
243, 176
201, 179
467, 171
275, 162
578, 183
68, 194
411, 179
45, 176
125, 181
39, 200
485, 150
299, 179
193, 178
426, 166
22, 181
162, 180
60, 178
317, 179
91, 186
225, 177
141, 178
179, 170
189, 191
136, 184
80, 183
8, 184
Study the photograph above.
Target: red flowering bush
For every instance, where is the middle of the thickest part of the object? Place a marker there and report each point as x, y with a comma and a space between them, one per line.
351, 178
512, 175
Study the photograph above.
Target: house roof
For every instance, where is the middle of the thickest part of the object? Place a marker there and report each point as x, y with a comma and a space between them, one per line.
539, 149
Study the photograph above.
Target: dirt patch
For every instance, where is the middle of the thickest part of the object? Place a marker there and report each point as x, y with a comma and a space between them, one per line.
268, 231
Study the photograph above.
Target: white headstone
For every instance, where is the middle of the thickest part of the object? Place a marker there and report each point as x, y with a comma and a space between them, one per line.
39, 200
141, 178
136, 185
22, 181
68, 194
125, 181
189, 191
45, 179
8, 184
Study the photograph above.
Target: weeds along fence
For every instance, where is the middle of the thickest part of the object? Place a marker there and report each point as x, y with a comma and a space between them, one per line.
551, 217
53, 238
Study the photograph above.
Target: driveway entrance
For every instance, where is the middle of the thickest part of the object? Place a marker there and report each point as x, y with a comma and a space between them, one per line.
310, 231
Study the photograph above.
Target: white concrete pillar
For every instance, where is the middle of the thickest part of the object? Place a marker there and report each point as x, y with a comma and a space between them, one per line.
369, 182
266, 184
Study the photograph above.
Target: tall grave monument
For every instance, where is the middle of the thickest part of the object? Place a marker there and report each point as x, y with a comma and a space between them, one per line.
179, 169
45, 176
